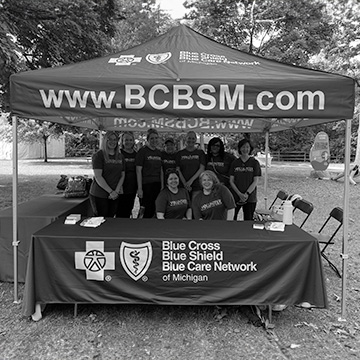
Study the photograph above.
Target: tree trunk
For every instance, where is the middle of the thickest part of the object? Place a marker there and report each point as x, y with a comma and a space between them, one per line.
45, 149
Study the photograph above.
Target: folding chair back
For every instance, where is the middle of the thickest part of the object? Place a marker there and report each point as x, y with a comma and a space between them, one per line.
282, 195
304, 206
338, 215
263, 214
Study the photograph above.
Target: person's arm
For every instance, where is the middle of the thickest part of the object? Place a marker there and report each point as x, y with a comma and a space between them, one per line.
196, 175
139, 181
188, 215
252, 186
103, 184
351, 176
119, 187
182, 179
162, 178
230, 214
196, 210
339, 176
242, 197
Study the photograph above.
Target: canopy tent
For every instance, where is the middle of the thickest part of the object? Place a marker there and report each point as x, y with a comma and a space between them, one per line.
183, 77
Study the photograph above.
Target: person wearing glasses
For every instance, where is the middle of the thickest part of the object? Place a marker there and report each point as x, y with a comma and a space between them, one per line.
109, 174
219, 161
173, 202
215, 201
149, 173
244, 176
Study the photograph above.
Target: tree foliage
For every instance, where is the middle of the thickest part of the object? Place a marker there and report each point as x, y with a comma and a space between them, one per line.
319, 34
290, 31
143, 21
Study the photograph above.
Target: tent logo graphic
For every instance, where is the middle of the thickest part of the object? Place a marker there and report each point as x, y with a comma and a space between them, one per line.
135, 258
125, 60
158, 58
94, 260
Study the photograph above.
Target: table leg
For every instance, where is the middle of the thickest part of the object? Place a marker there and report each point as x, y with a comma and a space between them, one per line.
37, 315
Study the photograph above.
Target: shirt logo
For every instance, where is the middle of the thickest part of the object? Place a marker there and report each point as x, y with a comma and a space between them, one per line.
125, 60
158, 58
94, 260
135, 258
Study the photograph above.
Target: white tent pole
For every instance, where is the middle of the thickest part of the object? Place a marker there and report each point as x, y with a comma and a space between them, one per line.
15, 242
344, 253
202, 145
266, 168
100, 139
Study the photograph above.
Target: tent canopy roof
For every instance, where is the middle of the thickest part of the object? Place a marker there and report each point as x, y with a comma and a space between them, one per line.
182, 76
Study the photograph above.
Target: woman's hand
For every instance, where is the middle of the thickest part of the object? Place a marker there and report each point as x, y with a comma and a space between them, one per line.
243, 197
113, 195
187, 185
140, 193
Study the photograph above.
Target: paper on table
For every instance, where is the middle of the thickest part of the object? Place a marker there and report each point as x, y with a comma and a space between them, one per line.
275, 226
93, 221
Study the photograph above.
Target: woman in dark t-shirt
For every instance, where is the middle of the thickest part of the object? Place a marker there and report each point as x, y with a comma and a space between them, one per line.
215, 201
244, 176
173, 202
149, 173
219, 161
127, 198
109, 174
190, 163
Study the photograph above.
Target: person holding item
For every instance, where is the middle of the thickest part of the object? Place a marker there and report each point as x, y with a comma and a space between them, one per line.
354, 172
190, 163
149, 173
173, 202
219, 161
109, 175
127, 198
244, 176
215, 201
168, 156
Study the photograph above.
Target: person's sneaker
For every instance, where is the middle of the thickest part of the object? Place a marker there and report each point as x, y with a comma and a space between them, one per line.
279, 307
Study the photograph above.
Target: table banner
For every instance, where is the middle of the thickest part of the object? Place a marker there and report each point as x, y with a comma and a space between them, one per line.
171, 270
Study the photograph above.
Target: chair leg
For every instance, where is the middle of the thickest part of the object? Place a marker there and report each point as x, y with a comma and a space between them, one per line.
333, 267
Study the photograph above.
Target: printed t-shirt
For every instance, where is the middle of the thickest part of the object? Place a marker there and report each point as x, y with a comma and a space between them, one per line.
213, 206
173, 206
150, 160
221, 167
130, 183
111, 172
189, 163
244, 174
168, 160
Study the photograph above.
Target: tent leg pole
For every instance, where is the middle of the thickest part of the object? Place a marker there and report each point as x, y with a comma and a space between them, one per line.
266, 168
344, 254
15, 242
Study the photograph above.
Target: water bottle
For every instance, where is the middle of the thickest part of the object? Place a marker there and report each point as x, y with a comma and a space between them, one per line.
288, 213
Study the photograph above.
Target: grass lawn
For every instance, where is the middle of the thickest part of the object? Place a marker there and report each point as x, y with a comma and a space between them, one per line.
187, 332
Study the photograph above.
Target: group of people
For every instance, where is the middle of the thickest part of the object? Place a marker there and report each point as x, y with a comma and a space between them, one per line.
170, 184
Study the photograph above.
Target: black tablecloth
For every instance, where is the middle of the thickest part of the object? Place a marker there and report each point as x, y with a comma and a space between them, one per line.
32, 216
151, 261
